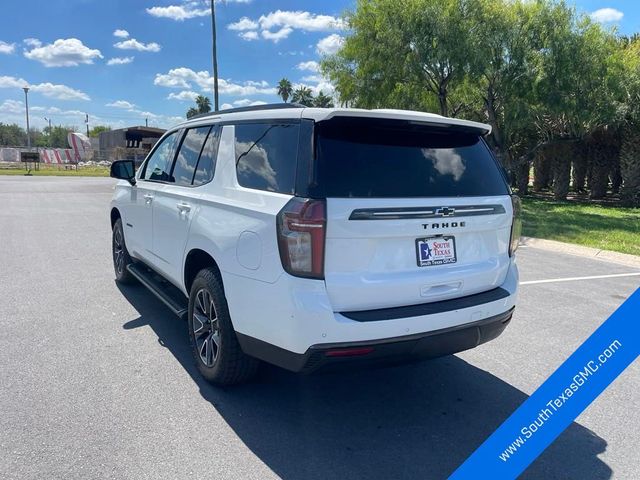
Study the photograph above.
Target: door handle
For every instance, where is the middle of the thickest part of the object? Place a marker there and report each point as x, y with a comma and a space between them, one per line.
184, 207
148, 198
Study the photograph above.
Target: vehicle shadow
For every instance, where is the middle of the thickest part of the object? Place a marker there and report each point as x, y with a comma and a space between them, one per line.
415, 421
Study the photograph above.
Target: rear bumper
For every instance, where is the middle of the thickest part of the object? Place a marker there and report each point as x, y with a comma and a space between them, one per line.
408, 348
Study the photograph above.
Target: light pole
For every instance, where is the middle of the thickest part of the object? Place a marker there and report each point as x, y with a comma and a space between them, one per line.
215, 56
26, 106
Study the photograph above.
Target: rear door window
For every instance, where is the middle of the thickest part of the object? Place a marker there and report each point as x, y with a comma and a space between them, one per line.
207, 162
266, 155
187, 159
368, 158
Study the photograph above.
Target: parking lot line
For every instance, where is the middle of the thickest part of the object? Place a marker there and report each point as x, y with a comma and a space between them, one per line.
571, 279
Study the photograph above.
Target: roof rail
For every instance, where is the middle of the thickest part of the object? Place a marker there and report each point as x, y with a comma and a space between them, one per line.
254, 108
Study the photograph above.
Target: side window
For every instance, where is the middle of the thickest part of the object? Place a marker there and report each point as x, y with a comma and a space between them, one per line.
207, 162
187, 159
158, 166
266, 156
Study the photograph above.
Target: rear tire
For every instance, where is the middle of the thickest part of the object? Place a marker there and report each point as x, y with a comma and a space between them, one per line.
214, 344
121, 256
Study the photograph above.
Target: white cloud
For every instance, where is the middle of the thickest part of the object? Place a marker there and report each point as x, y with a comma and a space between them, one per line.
61, 92
121, 104
59, 111
64, 52
133, 44
278, 25
245, 23
261, 83
179, 12
32, 42
184, 95
120, 33
330, 45
300, 20
226, 106
146, 114
184, 78
275, 37
323, 86
311, 66
119, 60
7, 48
313, 78
189, 9
12, 106
607, 15
245, 102
248, 36
12, 82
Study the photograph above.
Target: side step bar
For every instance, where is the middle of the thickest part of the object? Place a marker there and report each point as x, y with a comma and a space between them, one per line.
167, 293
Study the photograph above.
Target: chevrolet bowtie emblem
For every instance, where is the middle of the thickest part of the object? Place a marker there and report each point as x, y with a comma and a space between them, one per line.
446, 212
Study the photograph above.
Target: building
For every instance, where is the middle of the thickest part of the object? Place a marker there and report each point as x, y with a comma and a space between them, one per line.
128, 143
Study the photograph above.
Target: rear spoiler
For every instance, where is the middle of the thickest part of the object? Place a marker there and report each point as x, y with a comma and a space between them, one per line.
413, 118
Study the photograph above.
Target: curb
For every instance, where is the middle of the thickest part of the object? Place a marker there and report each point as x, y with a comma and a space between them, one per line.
579, 250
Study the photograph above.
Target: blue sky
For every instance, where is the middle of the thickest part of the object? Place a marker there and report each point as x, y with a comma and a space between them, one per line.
124, 61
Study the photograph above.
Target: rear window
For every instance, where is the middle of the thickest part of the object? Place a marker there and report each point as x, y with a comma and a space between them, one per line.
188, 155
371, 158
266, 155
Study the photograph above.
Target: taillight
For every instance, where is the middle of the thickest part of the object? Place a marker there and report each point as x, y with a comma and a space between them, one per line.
301, 233
516, 225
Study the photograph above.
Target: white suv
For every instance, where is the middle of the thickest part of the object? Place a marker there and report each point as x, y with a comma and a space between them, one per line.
311, 237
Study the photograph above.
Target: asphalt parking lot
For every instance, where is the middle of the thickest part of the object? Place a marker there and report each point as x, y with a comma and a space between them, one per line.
97, 381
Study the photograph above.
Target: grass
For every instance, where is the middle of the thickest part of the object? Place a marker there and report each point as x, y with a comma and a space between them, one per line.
55, 171
598, 226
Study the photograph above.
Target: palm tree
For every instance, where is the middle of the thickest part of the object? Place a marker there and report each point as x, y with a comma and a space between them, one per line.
192, 112
304, 96
630, 166
285, 89
203, 105
323, 101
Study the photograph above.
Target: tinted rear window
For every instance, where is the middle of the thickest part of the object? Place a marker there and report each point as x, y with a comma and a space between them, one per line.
187, 159
373, 158
266, 156
207, 161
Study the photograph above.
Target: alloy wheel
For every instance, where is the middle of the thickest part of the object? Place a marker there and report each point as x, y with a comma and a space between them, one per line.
205, 327
118, 251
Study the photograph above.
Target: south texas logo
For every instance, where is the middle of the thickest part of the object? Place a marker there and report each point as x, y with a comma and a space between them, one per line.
426, 251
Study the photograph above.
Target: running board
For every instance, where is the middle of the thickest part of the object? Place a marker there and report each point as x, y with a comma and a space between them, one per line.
167, 293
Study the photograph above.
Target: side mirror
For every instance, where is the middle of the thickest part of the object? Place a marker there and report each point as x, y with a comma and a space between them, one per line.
124, 170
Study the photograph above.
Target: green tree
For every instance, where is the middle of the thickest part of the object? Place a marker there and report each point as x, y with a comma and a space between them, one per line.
95, 131
203, 105
58, 137
285, 89
303, 96
323, 101
402, 53
630, 110
12, 135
